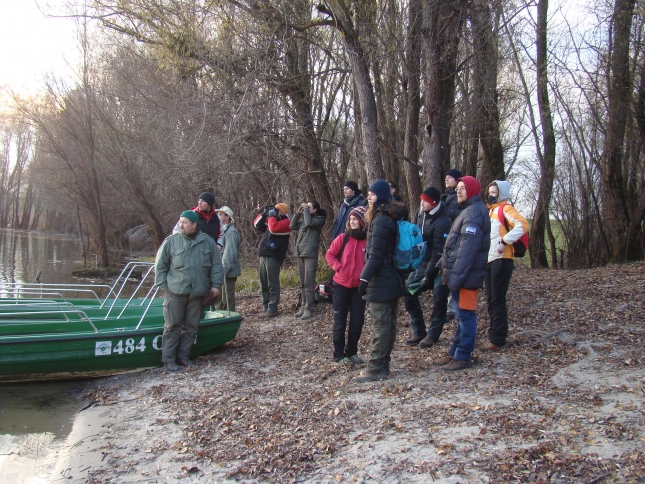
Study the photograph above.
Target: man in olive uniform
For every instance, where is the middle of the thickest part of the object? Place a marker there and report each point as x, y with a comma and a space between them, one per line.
189, 269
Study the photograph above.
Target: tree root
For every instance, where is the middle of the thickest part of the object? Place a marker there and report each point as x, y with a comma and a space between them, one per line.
596, 480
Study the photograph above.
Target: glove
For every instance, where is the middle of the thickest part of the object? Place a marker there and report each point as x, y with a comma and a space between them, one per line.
362, 288
272, 212
426, 284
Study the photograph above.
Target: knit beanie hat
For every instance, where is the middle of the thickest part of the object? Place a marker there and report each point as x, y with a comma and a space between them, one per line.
351, 184
359, 213
381, 189
431, 195
456, 174
283, 208
190, 215
473, 187
209, 198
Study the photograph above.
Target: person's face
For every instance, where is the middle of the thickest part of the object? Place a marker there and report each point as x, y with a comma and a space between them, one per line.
203, 206
348, 192
493, 191
426, 206
225, 219
461, 192
392, 190
450, 182
371, 198
187, 227
312, 210
354, 223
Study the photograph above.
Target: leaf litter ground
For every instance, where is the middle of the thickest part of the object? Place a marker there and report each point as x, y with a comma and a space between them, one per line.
563, 402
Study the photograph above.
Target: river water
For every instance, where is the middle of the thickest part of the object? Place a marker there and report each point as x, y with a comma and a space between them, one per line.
36, 418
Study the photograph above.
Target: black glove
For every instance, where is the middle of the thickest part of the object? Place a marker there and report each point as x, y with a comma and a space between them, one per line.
272, 212
362, 288
426, 284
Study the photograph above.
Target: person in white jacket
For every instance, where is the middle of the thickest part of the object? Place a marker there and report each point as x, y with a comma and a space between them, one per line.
507, 225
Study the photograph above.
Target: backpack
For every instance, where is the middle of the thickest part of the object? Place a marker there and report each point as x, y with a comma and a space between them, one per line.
410, 246
521, 244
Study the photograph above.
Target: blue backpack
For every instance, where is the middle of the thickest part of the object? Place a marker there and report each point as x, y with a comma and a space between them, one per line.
410, 247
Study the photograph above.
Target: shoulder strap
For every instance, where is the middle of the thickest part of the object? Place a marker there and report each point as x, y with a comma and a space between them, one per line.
501, 217
342, 249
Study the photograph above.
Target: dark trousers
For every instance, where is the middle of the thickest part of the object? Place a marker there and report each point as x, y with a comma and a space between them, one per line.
347, 300
496, 280
439, 309
182, 315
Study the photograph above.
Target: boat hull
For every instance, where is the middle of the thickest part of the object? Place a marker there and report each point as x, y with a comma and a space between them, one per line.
75, 348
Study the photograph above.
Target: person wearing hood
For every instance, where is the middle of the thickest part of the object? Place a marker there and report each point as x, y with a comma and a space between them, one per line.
463, 265
307, 223
346, 256
381, 284
208, 221
505, 228
230, 247
188, 268
434, 223
353, 198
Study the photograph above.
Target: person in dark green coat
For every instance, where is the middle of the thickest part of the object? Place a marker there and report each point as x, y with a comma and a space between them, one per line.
230, 243
188, 268
307, 224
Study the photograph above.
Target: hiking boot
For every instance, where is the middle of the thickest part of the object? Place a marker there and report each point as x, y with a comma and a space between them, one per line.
343, 361
369, 377
490, 347
415, 340
185, 362
457, 365
450, 315
355, 360
172, 366
268, 314
443, 361
427, 342
299, 312
306, 314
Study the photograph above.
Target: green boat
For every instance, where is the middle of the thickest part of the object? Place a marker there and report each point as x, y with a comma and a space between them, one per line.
62, 337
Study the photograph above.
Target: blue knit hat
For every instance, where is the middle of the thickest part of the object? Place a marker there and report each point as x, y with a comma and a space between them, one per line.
381, 189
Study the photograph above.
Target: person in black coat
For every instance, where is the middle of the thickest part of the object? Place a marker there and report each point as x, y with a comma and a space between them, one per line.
435, 226
463, 265
381, 284
449, 197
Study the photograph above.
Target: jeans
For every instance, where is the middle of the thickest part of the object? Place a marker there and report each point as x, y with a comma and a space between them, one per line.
464, 342
270, 283
307, 267
383, 314
439, 309
496, 280
182, 315
346, 300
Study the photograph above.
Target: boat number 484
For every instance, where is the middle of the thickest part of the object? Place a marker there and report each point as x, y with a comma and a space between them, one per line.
125, 346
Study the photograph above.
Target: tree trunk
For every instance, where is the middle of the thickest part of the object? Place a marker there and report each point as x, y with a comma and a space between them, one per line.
441, 30
614, 209
410, 144
537, 247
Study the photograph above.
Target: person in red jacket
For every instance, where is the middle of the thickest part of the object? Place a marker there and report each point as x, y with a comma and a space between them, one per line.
346, 256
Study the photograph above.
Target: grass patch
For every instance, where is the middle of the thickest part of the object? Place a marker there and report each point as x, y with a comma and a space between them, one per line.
249, 281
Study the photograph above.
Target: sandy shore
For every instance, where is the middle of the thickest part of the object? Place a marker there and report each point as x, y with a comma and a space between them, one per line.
562, 403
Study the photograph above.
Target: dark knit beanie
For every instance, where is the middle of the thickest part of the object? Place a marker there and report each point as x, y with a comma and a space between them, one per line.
456, 174
431, 195
209, 198
190, 215
381, 189
351, 184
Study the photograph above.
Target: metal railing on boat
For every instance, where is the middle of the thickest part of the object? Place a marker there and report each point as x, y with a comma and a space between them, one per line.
65, 313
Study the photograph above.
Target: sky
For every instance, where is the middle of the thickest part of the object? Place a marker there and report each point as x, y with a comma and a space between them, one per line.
32, 45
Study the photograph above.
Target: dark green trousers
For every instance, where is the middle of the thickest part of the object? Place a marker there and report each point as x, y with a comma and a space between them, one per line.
383, 314
220, 302
270, 282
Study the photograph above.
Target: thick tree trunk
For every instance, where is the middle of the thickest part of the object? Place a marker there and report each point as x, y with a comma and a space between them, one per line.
413, 94
441, 30
537, 249
614, 207
485, 59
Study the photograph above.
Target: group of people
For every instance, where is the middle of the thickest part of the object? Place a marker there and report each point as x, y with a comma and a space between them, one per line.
469, 245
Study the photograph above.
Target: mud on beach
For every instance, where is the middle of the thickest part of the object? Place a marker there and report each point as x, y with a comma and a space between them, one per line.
563, 402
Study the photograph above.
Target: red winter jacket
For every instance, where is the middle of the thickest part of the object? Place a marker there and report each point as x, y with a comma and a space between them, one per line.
348, 269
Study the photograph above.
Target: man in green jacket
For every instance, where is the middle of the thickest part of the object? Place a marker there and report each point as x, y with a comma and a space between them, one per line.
189, 269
